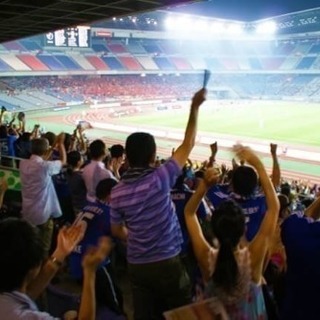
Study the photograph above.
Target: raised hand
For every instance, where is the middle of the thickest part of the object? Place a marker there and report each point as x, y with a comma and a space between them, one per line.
273, 149
246, 154
211, 177
96, 255
60, 138
199, 98
68, 238
214, 148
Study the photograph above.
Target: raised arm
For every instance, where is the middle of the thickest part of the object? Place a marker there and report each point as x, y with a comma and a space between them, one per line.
200, 245
3, 110
260, 244
182, 153
3, 189
61, 148
91, 261
68, 238
313, 211
214, 151
276, 173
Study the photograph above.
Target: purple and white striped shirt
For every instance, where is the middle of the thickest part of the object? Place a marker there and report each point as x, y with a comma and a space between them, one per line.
144, 205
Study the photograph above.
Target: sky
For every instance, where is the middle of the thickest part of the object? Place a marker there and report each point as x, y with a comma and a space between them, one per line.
247, 10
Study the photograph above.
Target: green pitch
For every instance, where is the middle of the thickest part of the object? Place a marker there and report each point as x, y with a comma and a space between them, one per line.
291, 122
286, 122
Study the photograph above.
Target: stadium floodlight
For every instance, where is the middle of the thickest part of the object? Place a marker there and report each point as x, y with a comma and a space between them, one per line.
234, 29
170, 23
201, 25
217, 27
267, 27
183, 23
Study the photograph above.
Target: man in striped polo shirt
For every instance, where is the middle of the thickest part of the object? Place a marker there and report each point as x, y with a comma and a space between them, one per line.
143, 214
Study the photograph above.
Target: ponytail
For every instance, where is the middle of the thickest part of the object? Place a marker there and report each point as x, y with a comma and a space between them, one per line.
228, 226
226, 271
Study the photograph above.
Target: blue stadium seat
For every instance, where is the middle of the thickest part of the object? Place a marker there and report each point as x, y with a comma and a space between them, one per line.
152, 48
67, 62
4, 66
306, 63
163, 63
255, 64
51, 62
113, 63
30, 45
99, 47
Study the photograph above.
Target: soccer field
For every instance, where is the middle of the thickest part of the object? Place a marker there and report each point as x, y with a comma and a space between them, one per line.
292, 122
260, 122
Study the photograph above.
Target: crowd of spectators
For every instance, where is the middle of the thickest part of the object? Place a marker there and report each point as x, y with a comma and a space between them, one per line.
104, 88
100, 89
184, 233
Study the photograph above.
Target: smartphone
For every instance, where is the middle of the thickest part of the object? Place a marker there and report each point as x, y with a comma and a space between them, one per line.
206, 78
84, 124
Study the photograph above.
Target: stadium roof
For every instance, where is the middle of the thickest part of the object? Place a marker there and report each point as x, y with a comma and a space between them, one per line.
23, 18
246, 10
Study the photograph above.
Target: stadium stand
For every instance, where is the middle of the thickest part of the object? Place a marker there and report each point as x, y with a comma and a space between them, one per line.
32, 62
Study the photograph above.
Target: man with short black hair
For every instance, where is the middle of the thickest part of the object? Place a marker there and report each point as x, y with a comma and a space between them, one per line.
244, 190
95, 216
143, 214
96, 170
39, 199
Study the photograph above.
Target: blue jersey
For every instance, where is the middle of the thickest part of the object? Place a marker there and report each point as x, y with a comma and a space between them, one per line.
301, 238
95, 216
180, 197
254, 207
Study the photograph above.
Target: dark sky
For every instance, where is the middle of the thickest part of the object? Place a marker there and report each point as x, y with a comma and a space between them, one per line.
247, 9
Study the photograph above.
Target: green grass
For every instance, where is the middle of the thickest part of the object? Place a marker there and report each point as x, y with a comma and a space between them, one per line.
288, 122
291, 122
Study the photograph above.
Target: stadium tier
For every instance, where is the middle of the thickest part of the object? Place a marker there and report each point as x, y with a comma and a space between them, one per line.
123, 55
54, 91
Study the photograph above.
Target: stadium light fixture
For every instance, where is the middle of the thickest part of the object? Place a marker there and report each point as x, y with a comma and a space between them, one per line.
267, 27
201, 25
170, 23
234, 29
217, 27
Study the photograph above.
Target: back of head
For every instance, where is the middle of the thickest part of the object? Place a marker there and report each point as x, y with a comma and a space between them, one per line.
228, 226
140, 149
116, 151
244, 181
97, 149
104, 188
51, 137
73, 158
3, 132
67, 141
26, 136
285, 189
21, 251
39, 146
284, 204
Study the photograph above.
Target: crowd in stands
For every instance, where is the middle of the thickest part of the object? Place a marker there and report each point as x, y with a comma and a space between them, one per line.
101, 89
202, 238
105, 88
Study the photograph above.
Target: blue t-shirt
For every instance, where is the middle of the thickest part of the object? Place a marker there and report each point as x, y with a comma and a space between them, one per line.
180, 197
254, 207
11, 140
301, 238
96, 217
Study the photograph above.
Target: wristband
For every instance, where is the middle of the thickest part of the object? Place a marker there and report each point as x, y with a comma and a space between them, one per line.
55, 261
